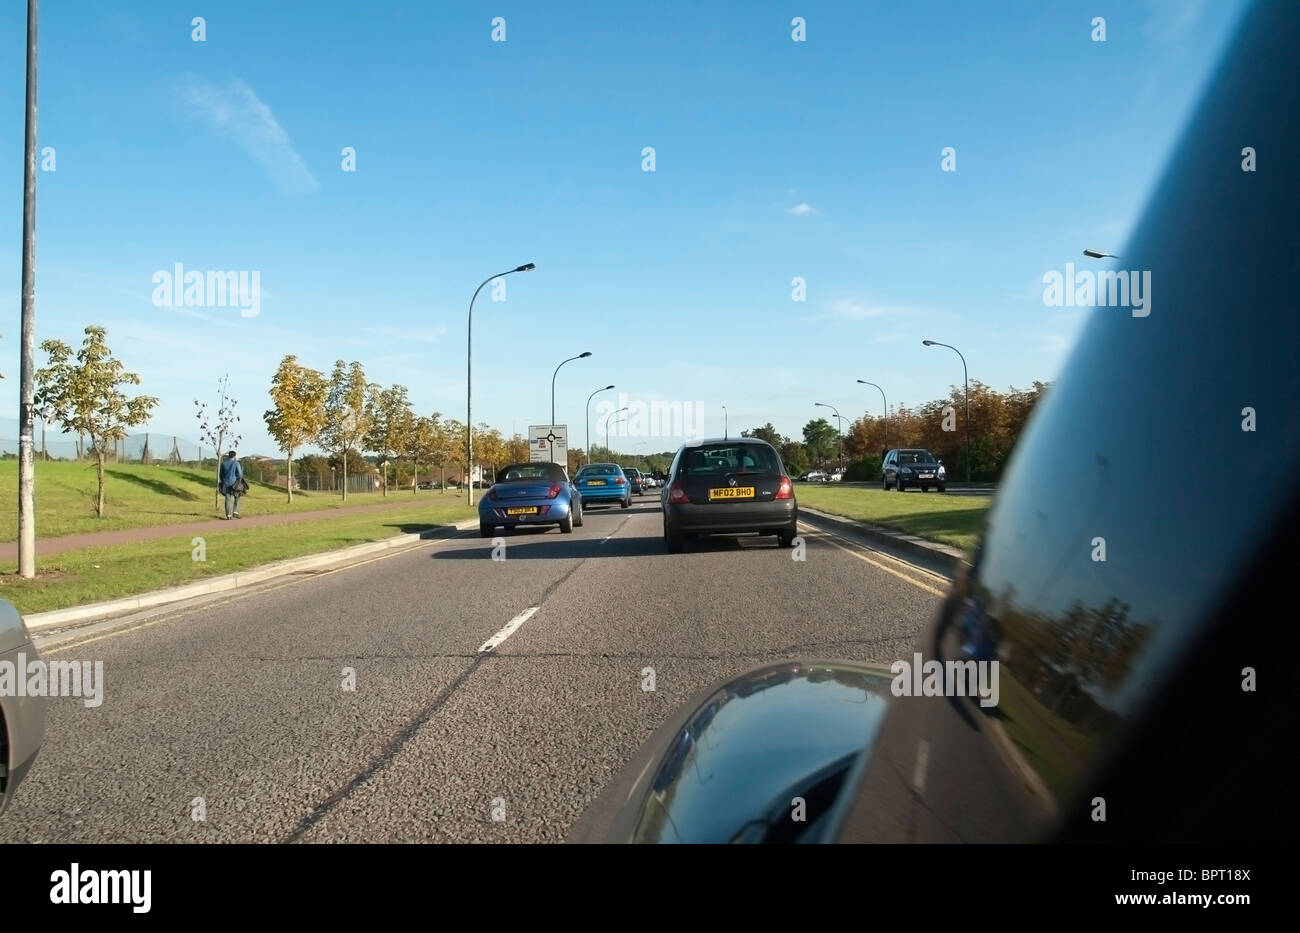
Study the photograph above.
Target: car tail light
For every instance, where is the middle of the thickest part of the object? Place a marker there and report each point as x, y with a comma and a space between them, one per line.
555, 491
619, 481
677, 495
785, 491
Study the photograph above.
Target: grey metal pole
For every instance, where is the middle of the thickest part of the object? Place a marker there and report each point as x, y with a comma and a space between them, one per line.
469, 380
966, 379
588, 418
886, 401
26, 468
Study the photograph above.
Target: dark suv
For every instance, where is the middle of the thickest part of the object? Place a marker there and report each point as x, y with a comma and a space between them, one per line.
913, 467
634, 478
728, 487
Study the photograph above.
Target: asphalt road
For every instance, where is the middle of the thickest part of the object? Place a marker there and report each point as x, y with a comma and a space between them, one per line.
240, 701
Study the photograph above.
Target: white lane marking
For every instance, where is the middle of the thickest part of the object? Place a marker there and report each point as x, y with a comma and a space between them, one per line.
509, 629
922, 762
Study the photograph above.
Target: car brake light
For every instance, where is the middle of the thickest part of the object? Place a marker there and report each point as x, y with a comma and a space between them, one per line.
619, 481
677, 495
784, 491
555, 491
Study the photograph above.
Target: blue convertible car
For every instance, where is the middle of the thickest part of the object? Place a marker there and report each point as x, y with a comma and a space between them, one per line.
530, 494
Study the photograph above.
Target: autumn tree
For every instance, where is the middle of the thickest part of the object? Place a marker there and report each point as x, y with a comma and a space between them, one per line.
216, 426
298, 394
420, 443
346, 420
388, 412
84, 394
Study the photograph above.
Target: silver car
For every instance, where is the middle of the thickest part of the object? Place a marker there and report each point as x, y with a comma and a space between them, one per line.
22, 718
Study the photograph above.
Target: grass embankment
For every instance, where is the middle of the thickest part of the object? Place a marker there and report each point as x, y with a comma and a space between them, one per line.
89, 575
948, 519
137, 496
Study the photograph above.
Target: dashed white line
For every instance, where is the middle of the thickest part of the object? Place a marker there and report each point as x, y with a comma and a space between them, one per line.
508, 630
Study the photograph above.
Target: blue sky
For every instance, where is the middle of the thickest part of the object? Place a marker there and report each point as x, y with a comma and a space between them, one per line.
775, 159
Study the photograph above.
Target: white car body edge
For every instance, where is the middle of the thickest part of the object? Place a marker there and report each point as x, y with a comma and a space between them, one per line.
22, 719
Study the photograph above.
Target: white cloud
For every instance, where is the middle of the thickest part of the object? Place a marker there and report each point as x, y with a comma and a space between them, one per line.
236, 111
803, 209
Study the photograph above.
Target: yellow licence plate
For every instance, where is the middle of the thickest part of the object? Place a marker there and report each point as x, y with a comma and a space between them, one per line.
595, 482
523, 510
732, 492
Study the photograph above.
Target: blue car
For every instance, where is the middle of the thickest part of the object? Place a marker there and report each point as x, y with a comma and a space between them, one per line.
604, 482
530, 494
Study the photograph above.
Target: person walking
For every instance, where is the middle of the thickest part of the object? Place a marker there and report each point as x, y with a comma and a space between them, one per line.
232, 484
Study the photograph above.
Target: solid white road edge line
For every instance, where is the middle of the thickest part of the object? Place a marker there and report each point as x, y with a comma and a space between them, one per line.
509, 629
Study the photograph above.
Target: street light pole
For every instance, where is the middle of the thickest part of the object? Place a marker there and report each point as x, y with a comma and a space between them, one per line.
27, 327
966, 379
726, 434
588, 418
607, 419
469, 379
840, 422
580, 356
886, 401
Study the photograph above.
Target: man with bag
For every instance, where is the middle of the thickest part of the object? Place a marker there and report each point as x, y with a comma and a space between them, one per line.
231, 484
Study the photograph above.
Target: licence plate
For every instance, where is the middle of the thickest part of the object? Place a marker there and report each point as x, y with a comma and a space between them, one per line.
927, 476
732, 492
523, 510
595, 482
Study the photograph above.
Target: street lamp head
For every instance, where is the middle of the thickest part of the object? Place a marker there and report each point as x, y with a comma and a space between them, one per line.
607, 388
583, 356
928, 343
527, 267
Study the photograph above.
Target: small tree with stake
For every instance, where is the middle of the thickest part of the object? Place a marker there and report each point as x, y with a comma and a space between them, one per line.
84, 395
213, 429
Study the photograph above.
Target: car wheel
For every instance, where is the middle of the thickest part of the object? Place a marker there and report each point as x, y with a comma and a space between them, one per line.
941, 487
627, 503
785, 538
675, 543
898, 484
577, 518
484, 530
884, 484
566, 526
925, 489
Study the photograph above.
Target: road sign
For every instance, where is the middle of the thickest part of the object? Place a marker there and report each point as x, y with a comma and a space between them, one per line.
548, 443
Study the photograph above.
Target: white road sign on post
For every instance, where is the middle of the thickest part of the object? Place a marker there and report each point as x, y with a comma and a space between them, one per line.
548, 443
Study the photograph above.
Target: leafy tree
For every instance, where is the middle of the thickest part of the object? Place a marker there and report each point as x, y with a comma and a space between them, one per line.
346, 420
766, 433
420, 443
794, 457
85, 395
298, 394
820, 440
489, 448
389, 414
214, 428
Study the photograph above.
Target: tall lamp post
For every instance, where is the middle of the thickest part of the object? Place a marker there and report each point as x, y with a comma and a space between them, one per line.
580, 356
886, 401
588, 419
607, 420
840, 421
725, 433
469, 379
966, 379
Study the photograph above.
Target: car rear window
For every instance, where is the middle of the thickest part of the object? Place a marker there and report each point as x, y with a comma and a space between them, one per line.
705, 461
598, 469
532, 471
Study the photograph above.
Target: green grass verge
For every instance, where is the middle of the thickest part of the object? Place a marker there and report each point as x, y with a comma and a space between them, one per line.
1050, 745
136, 496
89, 575
954, 520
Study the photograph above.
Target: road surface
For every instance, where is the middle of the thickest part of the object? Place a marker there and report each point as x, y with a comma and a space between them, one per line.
235, 709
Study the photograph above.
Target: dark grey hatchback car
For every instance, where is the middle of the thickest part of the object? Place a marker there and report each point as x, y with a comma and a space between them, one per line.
728, 487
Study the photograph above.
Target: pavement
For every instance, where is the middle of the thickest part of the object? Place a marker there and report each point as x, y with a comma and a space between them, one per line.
238, 703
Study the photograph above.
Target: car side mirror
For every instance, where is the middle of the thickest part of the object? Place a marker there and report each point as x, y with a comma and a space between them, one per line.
727, 766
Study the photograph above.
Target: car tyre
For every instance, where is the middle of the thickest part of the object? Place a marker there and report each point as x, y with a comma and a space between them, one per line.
675, 543
484, 530
627, 503
884, 484
577, 517
785, 538
941, 487
566, 526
